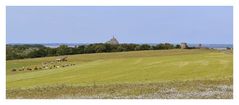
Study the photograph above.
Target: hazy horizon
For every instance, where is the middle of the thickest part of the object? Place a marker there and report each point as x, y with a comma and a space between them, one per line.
120, 43
129, 24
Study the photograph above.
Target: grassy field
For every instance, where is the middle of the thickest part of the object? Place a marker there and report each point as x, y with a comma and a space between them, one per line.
196, 73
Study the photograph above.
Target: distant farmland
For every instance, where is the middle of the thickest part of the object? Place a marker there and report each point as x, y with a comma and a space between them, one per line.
170, 74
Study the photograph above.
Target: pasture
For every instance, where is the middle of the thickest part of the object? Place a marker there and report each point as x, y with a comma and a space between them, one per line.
177, 73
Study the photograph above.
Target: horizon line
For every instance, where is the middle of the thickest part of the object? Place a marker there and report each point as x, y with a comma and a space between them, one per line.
120, 43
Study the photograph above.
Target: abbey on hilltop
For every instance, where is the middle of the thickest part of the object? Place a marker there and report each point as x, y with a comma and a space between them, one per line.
113, 41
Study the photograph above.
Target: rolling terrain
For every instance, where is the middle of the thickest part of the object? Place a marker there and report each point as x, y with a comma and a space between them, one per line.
195, 73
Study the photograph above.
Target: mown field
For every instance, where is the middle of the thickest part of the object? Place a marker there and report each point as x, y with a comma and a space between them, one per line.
170, 74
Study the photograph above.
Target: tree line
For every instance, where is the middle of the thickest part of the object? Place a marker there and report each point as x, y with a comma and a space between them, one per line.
37, 50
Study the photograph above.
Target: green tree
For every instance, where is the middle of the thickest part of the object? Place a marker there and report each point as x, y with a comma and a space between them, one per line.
38, 53
177, 46
80, 49
100, 48
62, 50
121, 48
51, 51
144, 47
89, 49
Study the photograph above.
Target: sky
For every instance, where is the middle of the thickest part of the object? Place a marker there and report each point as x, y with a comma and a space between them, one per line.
131, 24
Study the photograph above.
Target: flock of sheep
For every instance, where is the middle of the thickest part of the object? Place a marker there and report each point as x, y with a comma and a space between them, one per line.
45, 66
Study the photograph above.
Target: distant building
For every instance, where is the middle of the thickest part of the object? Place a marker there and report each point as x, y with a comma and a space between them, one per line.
113, 41
228, 48
183, 45
199, 45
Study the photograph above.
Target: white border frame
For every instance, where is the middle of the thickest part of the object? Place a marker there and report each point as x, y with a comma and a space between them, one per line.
4, 3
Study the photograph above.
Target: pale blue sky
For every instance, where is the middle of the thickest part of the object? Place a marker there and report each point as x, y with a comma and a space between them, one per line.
158, 24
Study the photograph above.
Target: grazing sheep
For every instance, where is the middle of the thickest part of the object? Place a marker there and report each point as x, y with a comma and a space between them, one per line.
29, 69
21, 70
35, 68
61, 59
14, 70
58, 66
44, 63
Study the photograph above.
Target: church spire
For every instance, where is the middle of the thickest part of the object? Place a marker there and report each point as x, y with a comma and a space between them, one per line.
113, 41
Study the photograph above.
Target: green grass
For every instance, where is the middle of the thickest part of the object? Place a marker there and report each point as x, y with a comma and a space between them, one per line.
136, 67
